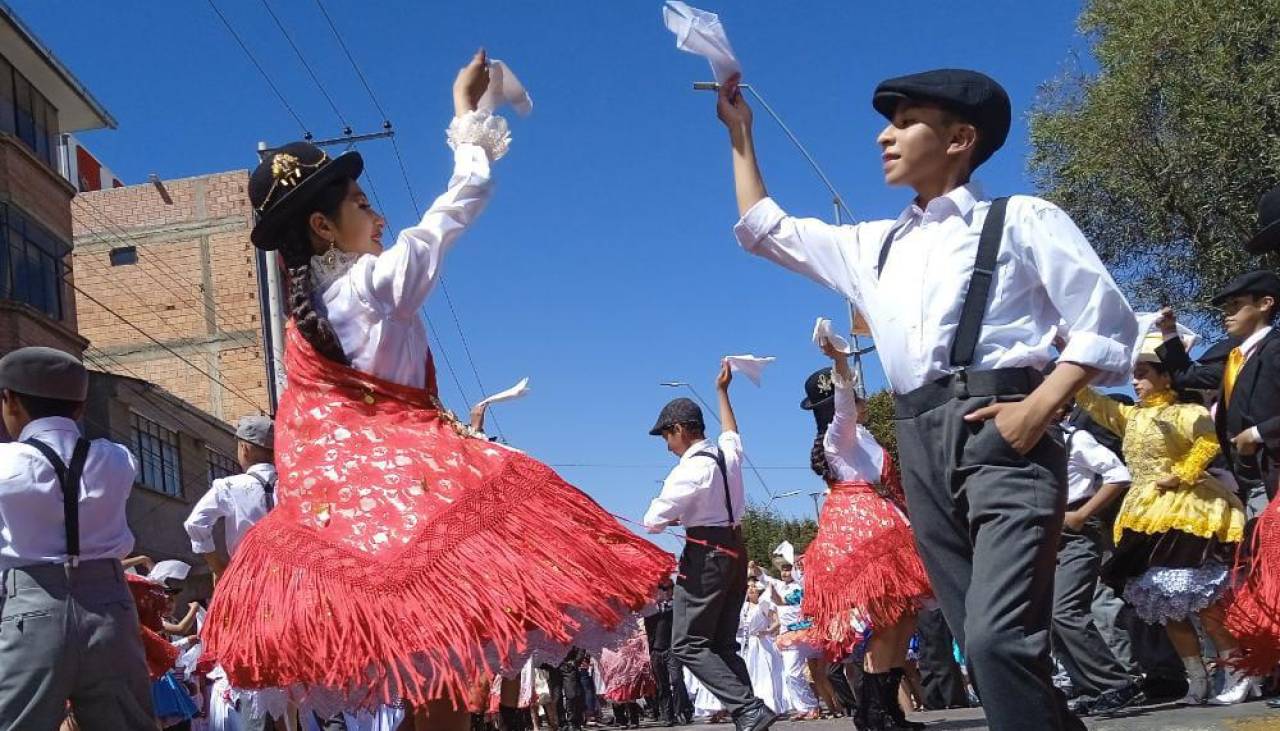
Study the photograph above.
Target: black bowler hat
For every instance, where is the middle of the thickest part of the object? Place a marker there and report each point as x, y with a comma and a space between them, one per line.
974, 96
820, 397
286, 179
1259, 282
678, 411
1268, 236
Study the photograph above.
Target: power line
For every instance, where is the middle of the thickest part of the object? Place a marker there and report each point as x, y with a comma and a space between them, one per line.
305, 132
124, 238
354, 65
173, 352
346, 127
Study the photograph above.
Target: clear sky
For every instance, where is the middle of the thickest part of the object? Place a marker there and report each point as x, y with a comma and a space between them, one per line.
605, 262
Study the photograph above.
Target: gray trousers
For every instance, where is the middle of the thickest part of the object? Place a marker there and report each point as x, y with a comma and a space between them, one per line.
72, 634
1077, 642
987, 522
708, 601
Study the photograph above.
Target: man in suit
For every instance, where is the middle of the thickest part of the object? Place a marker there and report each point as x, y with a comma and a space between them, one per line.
1247, 414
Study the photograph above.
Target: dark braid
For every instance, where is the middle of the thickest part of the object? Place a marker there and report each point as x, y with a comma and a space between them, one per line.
818, 460
296, 249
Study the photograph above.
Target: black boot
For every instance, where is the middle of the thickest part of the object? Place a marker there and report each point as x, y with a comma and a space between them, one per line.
511, 720
892, 707
872, 714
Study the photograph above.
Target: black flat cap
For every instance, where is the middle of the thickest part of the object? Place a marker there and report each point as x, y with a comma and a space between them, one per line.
45, 373
820, 397
678, 411
286, 180
974, 96
1268, 236
1259, 282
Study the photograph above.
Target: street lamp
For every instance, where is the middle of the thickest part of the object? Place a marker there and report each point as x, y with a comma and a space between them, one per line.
779, 496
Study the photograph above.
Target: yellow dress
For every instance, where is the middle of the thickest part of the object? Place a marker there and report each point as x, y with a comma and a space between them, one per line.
1162, 437
1173, 546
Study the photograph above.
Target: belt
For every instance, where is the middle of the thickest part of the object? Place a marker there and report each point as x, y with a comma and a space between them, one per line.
966, 384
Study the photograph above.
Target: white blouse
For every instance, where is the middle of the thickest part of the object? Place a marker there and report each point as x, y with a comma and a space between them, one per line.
373, 300
852, 453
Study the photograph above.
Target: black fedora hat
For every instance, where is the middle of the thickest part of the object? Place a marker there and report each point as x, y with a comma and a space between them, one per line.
820, 397
1268, 236
286, 179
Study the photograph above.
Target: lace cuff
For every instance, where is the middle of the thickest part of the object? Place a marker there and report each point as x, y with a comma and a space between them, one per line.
1193, 463
482, 128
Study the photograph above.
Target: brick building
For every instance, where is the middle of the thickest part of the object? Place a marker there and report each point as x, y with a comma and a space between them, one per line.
176, 260
40, 100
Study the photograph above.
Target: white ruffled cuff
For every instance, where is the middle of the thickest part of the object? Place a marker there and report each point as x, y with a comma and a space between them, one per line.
479, 127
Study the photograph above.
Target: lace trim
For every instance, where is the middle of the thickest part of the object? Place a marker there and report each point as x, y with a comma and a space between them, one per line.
479, 127
331, 266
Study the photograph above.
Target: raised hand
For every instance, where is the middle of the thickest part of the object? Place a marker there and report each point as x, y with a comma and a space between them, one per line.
731, 106
470, 84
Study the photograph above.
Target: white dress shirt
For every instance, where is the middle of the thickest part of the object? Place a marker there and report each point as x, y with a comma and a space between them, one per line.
1046, 274
693, 494
238, 499
374, 306
852, 453
1090, 465
32, 526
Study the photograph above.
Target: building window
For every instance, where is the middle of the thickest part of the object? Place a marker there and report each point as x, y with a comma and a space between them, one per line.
31, 265
159, 463
27, 114
122, 255
220, 466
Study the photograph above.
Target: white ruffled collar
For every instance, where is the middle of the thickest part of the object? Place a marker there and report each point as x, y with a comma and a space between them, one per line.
331, 266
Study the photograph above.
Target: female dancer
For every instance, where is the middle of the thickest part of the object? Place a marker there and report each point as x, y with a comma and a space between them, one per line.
1178, 526
405, 559
864, 557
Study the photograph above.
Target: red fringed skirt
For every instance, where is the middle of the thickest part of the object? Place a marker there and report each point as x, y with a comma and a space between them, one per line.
1253, 611
863, 559
404, 558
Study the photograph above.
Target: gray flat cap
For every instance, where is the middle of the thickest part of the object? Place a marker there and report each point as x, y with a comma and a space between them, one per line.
46, 373
677, 411
257, 430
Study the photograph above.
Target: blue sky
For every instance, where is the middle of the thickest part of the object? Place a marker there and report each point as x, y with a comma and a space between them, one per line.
605, 263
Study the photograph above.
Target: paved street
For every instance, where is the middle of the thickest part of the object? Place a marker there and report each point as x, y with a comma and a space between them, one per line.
1253, 716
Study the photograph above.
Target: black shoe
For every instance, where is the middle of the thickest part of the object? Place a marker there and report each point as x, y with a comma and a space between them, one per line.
1273, 703
1113, 700
757, 718
1081, 705
891, 706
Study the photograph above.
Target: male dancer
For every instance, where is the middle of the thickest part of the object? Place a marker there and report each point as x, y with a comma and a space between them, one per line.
704, 494
964, 295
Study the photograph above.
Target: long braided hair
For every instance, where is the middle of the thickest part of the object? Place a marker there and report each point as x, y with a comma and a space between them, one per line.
296, 249
818, 460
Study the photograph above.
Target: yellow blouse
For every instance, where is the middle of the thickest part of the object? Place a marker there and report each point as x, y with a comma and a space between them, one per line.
1162, 437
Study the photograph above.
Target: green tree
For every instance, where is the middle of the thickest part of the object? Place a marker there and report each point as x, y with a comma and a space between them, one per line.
1161, 153
880, 421
763, 529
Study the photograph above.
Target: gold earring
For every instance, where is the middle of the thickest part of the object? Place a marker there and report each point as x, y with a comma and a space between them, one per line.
331, 256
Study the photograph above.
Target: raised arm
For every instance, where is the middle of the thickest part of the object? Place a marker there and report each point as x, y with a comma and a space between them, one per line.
397, 281
1184, 372
733, 110
842, 433
728, 422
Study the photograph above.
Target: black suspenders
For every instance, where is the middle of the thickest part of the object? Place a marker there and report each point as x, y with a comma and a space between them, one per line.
724, 477
69, 480
268, 490
979, 291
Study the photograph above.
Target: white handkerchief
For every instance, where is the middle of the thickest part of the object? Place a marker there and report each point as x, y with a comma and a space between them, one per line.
514, 392
700, 32
748, 365
504, 88
822, 330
